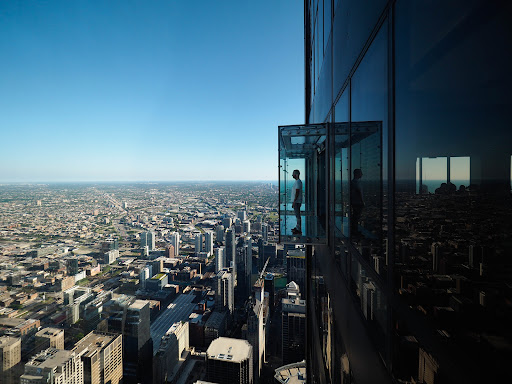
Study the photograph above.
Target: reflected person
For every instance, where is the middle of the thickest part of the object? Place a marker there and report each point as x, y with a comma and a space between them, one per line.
297, 201
357, 201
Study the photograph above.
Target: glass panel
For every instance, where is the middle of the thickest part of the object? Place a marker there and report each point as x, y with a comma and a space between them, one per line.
369, 137
342, 165
323, 100
303, 202
327, 21
453, 269
371, 300
353, 24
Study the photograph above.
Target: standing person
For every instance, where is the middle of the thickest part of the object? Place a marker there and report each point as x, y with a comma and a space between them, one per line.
356, 201
297, 201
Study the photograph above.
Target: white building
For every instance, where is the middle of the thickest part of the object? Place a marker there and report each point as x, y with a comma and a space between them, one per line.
208, 242
175, 242
54, 366
220, 259
172, 353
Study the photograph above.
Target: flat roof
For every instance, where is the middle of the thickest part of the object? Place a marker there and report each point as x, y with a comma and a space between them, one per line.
94, 341
228, 349
50, 358
49, 332
7, 341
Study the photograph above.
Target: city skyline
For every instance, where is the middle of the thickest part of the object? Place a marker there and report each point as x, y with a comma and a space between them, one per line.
104, 92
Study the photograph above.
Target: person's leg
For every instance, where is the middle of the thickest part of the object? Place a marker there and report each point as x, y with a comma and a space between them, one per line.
296, 209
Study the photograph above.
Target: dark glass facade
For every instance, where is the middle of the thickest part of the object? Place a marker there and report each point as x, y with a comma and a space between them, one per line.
412, 278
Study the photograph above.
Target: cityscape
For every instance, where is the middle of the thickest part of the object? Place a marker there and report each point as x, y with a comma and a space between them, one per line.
169, 267
271, 192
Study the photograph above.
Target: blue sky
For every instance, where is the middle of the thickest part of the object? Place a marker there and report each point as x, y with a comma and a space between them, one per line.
147, 90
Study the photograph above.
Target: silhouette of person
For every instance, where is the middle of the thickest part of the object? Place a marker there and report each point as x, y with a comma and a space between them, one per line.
356, 201
297, 201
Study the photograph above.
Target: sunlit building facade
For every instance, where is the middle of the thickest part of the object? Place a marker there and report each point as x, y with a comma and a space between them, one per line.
405, 160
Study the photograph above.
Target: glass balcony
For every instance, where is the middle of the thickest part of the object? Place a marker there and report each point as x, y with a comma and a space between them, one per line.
303, 183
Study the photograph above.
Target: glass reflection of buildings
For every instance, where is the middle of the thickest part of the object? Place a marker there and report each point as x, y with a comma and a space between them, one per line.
416, 95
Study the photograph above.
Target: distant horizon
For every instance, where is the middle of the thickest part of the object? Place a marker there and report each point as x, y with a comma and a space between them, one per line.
135, 181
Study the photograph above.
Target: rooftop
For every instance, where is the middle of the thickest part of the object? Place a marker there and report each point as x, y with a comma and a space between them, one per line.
7, 341
225, 348
94, 341
46, 332
50, 358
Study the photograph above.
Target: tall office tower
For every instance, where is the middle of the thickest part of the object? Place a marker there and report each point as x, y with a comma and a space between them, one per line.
248, 258
102, 356
224, 299
131, 318
229, 361
54, 366
143, 276
198, 243
247, 226
256, 331
72, 266
219, 233
406, 143
226, 222
220, 259
264, 232
175, 242
269, 287
10, 359
293, 325
171, 354
208, 242
231, 250
242, 215
147, 239
49, 338
296, 267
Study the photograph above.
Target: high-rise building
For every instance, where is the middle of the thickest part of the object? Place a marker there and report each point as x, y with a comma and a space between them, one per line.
10, 359
198, 243
226, 222
102, 357
131, 318
54, 366
256, 331
296, 266
147, 239
143, 276
49, 338
219, 233
224, 299
242, 215
405, 144
247, 226
264, 231
220, 259
229, 361
293, 318
175, 242
231, 249
171, 353
208, 242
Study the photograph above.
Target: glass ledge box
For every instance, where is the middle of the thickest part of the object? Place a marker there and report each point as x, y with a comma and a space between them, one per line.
324, 155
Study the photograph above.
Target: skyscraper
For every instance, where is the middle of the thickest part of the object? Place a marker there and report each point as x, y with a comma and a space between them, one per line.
224, 300
220, 259
147, 239
405, 145
293, 322
175, 242
208, 242
102, 356
10, 358
229, 361
198, 243
231, 249
54, 366
219, 233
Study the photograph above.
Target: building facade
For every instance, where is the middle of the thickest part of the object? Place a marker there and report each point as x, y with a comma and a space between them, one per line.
229, 361
102, 357
406, 165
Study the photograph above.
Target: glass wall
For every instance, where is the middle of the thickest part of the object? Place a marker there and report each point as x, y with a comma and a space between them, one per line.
419, 186
453, 204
